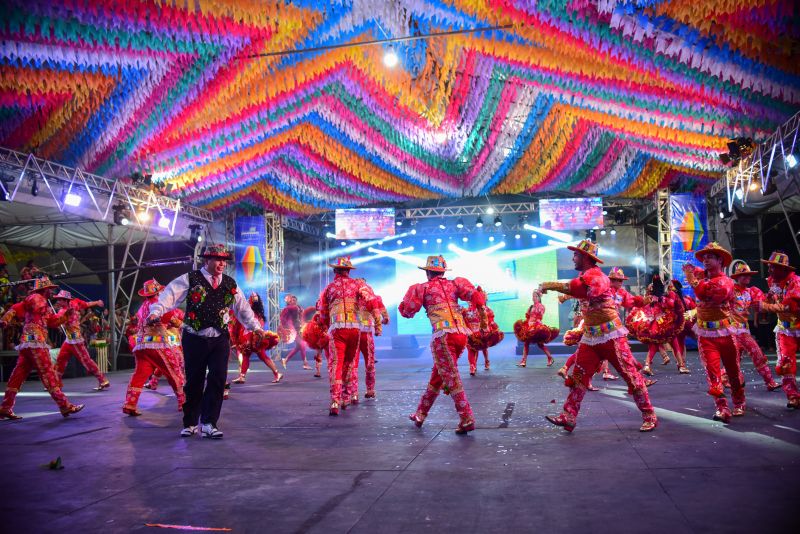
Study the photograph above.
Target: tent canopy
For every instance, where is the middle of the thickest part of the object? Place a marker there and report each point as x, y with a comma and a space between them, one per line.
267, 105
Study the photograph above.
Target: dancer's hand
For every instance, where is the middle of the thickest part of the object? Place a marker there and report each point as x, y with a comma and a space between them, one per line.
153, 319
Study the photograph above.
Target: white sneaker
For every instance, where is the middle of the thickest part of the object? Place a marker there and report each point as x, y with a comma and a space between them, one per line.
210, 431
189, 431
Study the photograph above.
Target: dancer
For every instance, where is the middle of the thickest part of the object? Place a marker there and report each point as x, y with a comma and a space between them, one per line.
315, 337
243, 343
745, 298
34, 352
74, 344
604, 338
212, 296
366, 346
154, 350
533, 330
714, 328
480, 340
658, 321
289, 328
439, 296
784, 299
338, 313
689, 319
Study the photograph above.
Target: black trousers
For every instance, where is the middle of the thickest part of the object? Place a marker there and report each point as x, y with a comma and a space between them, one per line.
201, 354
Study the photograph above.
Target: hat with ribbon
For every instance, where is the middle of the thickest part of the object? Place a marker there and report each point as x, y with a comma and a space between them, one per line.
150, 288
217, 251
63, 294
715, 248
42, 283
435, 264
616, 274
587, 247
779, 258
342, 262
742, 269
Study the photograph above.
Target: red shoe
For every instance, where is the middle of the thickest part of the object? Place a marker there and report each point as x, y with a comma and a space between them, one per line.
550, 361
560, 420
133, 412
334, 411
562, 372
369, 395
71, 409
649, 382
464, 428
648, 426
716, 391
418, 419
591, 387
794, 403
722, 415
103, 386
609, 376
738, 411
773, 386
472, 370
9, 414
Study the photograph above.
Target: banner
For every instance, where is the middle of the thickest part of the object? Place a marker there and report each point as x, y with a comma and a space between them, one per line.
689, 233
249, 253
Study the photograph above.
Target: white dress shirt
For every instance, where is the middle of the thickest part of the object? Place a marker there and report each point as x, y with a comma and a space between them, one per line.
175, 293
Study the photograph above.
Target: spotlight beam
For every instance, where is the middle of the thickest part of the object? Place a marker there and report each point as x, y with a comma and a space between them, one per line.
395, 254
561, 236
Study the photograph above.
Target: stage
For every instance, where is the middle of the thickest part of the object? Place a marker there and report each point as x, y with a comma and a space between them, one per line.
286, 466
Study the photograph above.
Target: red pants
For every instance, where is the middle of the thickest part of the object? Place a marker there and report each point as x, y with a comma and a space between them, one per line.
749, 345
588, 359
725, 351
787, 364
366, 346
472, 357
262, 355
342, 351
148, 361
68, 350
446, 350
28, 360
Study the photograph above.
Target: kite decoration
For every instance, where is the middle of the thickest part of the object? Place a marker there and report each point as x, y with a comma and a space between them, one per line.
249, 105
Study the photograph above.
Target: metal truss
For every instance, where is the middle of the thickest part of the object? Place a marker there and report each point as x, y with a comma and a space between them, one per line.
302, 227
641, 252
462, 211
274, 263
61, 180
126, 283
664, 215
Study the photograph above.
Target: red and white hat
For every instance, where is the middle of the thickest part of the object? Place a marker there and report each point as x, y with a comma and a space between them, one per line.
64, 295
151, 288
615, 273
779, 258
588, 248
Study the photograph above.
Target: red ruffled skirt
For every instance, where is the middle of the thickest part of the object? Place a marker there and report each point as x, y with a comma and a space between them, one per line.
655, 325
314, 335
484, 340
535, 333
287, 335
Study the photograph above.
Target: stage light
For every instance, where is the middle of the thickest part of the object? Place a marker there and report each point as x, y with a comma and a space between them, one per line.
721, 215
498, 221
442, 226
143, 216
71, 199
413, 231
603, 231
460, 223
533, 236
613, 231
330, 235
739, 194
605, 212
753, 185
399, 241
163, 222
399, 222
791, 161
424, 241
491, 238
490, 210
440, 137
465, 239
479, 222
390, 58
516, 236
439, 240
561, 236
343, 243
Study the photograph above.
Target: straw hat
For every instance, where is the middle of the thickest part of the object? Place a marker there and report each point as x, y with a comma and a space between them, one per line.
588, 248
715, 248
779, 258
435, 264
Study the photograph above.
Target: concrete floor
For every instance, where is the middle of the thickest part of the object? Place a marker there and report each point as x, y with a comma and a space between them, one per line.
285, 466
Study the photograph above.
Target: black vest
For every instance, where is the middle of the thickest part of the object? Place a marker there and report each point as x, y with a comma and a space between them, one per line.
205, 305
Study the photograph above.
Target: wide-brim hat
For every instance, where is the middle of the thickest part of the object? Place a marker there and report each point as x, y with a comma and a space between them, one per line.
436, 264
150, 288
780, 259
342, 262
42, 283
216, 251
63, 294
615, 273
717, 249
742, 269
587, 247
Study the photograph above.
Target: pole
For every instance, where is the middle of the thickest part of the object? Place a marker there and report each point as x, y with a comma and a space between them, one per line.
112, 307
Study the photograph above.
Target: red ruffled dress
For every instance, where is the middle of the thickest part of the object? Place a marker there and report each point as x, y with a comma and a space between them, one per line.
657, 322
532, 329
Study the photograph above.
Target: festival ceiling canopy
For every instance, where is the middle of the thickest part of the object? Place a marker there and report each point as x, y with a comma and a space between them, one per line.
248, 104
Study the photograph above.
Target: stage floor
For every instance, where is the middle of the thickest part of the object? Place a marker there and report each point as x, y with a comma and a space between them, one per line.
286, 466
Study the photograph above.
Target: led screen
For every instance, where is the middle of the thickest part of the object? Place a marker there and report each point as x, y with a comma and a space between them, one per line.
365, 223
571, 213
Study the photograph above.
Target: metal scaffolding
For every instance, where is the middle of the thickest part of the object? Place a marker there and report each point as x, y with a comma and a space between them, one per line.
641, 252
274, 264
664, 216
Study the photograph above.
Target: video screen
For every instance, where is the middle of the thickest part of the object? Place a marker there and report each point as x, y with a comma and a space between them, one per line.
365, 223
571, 213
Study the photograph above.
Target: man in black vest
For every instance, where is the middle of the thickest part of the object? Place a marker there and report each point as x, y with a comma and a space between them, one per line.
211, 296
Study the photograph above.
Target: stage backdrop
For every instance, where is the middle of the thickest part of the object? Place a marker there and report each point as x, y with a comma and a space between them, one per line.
249, 254
508, 277
689, 233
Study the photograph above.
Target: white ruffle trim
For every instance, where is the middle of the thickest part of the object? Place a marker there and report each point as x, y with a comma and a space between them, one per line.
31, 345
737, 330
458, 330
78, 341
718, 332
141, 346
334, 326
786, 332
587, 339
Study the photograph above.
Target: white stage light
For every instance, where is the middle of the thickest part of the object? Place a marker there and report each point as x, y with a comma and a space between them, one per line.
163, 222
739, 194
442, 226
143, 216
603, 232
399, 241
424, 241
516, 236
460, 223
489, 210
791, 161
71, 199
465, 239
561, 236
344, 243
491, 238
613, 231
439, 240
414, 231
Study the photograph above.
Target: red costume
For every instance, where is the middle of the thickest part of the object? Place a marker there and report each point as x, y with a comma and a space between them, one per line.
480, 340
154, 350
289, 328
747, 298
715, 331
784, 299
74, 344
244, 343
366, 346
533, 330
604, 338
440, 297
315, 337
34, 351
338, 312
